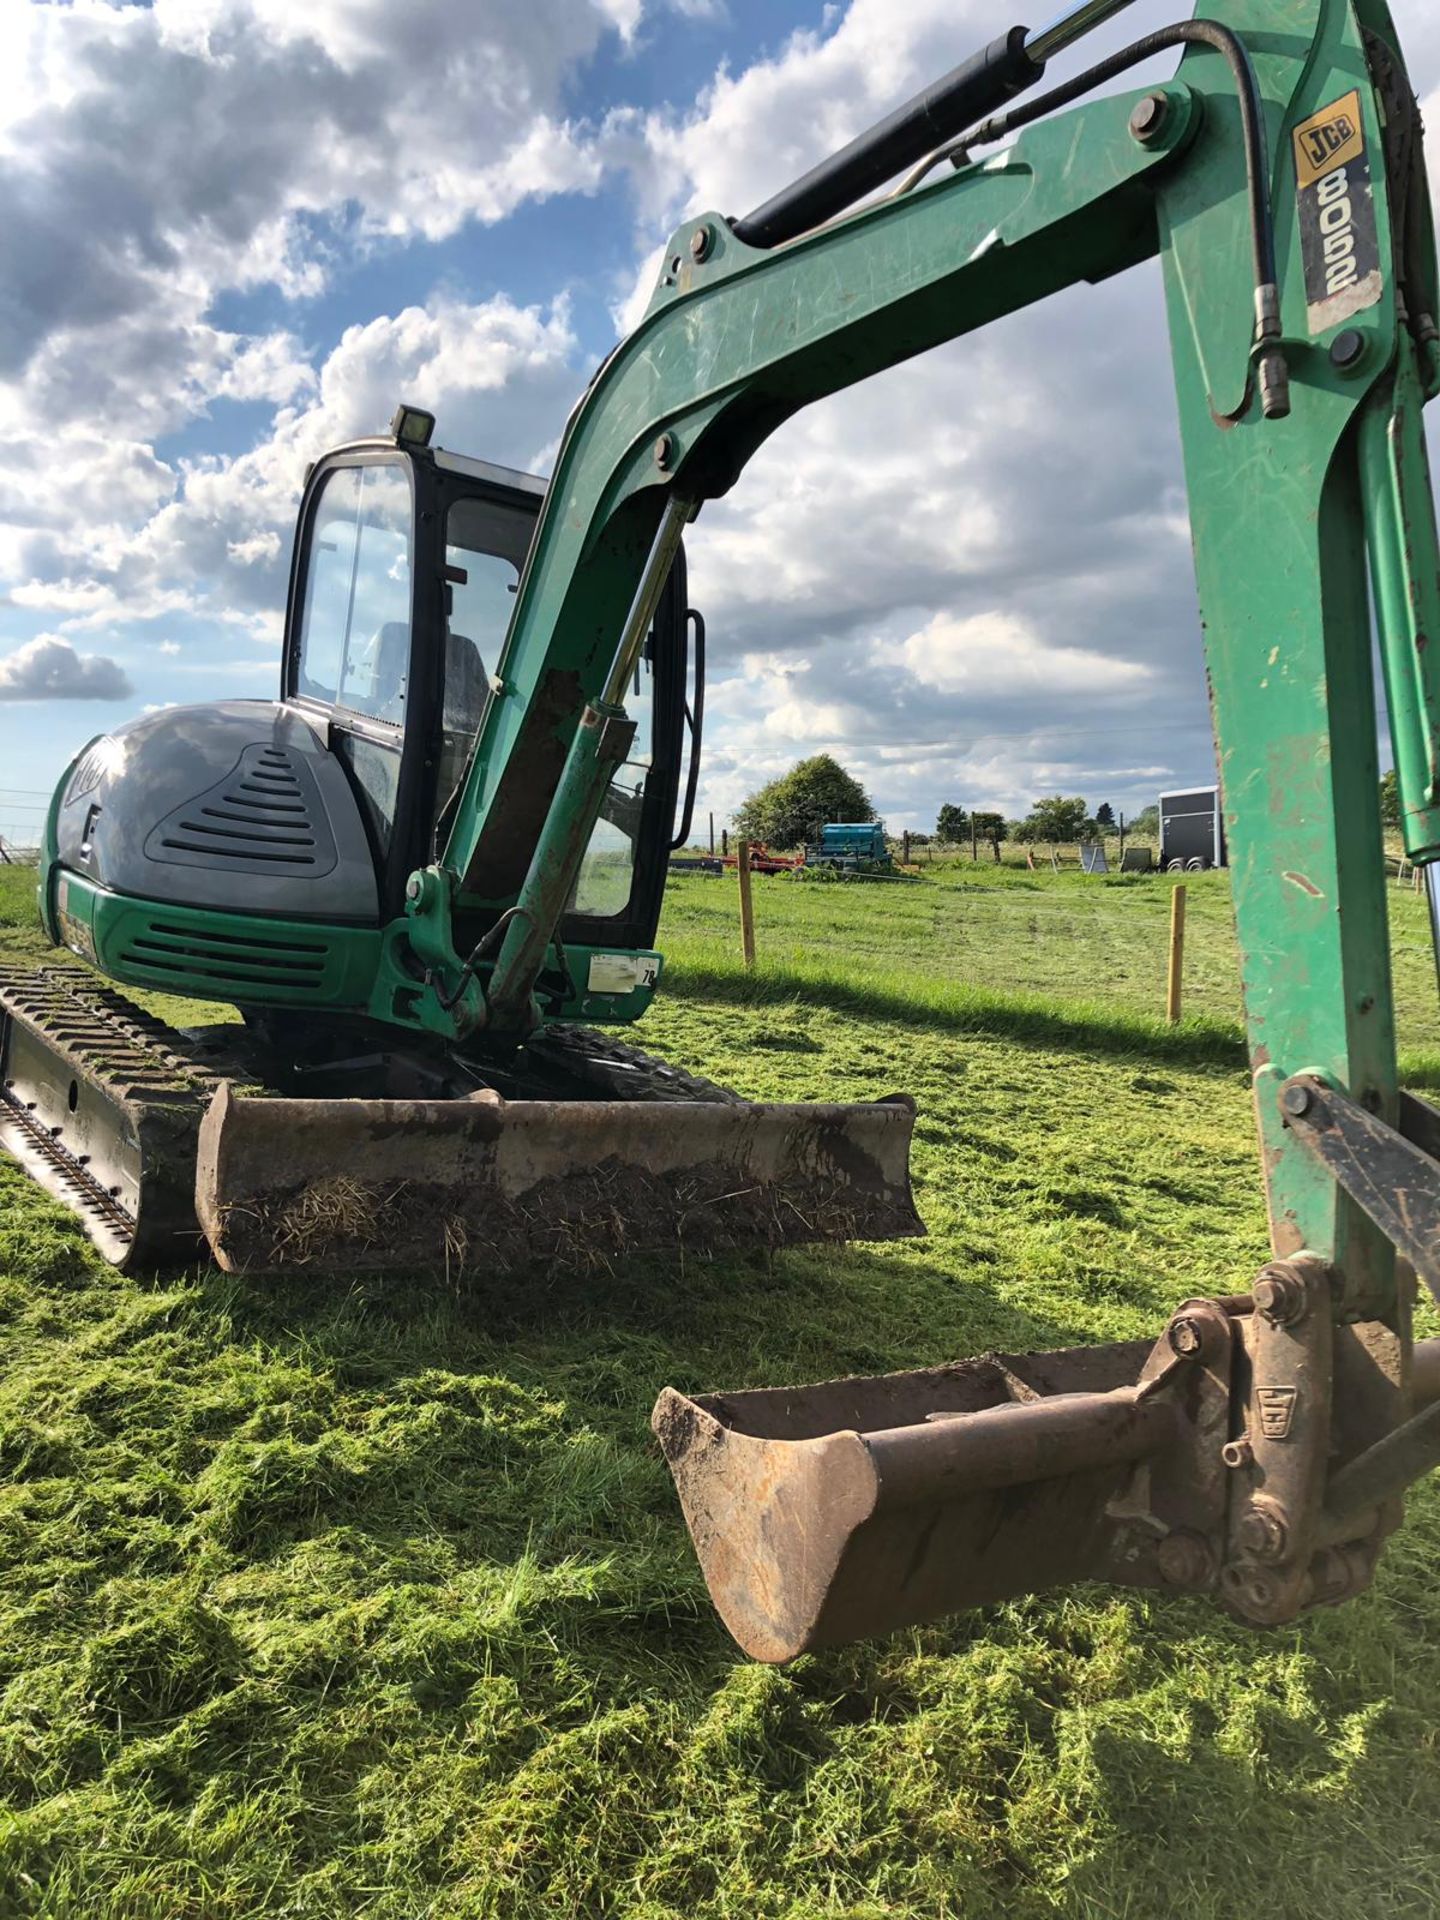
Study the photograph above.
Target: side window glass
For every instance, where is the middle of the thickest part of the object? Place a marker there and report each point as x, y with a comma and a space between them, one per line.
328, 572
482, 598
485, 546
355, 624
603, 885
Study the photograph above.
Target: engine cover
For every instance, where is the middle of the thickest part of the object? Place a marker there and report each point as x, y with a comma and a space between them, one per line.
238, 806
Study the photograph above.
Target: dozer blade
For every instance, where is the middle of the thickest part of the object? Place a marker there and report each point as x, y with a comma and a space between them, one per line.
490, 1184
830, 1513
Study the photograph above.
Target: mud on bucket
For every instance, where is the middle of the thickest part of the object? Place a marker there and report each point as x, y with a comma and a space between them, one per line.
827, 1513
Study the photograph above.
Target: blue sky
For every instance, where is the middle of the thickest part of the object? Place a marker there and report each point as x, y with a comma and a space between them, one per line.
238, 231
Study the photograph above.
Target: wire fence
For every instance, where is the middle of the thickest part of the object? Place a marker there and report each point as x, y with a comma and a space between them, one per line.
22, 820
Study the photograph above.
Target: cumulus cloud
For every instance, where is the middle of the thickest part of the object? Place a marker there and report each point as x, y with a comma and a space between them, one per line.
257, 138
102, 535
996, 650
49, 668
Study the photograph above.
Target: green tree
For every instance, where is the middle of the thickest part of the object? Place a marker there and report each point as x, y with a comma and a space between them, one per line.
1389, 802
1054, 822
1105, 816
1146, 824
952, 825
791, 810
992, 827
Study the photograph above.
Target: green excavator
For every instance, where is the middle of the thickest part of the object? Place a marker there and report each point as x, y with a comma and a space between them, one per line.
429, 873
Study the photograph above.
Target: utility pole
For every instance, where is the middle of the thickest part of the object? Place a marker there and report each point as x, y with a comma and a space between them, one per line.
712, 836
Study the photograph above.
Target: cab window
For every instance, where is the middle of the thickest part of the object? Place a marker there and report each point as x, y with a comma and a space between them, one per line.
603, 884
485, 546
354, 649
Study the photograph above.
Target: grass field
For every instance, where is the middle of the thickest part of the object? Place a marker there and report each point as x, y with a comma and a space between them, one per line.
320, 1600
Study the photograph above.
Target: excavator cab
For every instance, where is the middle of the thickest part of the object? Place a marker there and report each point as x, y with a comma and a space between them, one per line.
404, 574
274, 853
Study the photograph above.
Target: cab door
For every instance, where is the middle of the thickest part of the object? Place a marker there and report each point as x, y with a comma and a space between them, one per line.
350, 647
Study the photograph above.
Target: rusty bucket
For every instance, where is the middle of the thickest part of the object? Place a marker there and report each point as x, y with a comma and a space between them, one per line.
827, 1513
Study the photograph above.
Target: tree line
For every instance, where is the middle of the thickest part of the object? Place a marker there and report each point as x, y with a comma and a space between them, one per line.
790, 810
1055, 821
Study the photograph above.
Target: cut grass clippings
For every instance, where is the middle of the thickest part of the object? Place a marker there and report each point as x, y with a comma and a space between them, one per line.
373, 1599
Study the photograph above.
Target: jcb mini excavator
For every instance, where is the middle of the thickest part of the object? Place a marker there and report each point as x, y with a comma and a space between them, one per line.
427, 861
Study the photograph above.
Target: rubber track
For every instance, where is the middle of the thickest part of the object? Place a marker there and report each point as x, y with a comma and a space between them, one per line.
124, 1052
136, 1055
625, 1072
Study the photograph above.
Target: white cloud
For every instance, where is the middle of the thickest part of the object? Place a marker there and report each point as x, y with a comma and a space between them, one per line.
995, 651
151, 157
49, 668
210, 540
260, 546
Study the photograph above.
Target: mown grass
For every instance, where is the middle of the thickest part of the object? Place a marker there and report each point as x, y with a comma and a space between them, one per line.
327, 1600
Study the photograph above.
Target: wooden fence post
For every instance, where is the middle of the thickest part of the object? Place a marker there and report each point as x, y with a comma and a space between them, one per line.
747, 906
1177, 955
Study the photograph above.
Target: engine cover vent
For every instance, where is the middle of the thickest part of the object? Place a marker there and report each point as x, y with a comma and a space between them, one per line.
265, 817
231, 967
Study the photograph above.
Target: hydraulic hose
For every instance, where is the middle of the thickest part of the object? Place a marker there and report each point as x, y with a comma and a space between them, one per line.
1274, 375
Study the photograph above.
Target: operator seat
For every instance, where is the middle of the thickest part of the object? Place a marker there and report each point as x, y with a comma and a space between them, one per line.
466, 683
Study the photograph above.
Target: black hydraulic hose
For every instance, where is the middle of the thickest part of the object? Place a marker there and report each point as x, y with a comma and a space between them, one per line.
696, 716
978, 85
1274, 378
482, 950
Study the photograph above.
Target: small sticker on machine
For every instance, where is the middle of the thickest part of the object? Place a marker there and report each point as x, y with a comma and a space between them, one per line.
74, 931
622, 972
1339, 246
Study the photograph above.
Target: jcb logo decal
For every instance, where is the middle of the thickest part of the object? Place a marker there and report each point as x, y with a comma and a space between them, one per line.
1277, 1411
1328, 139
